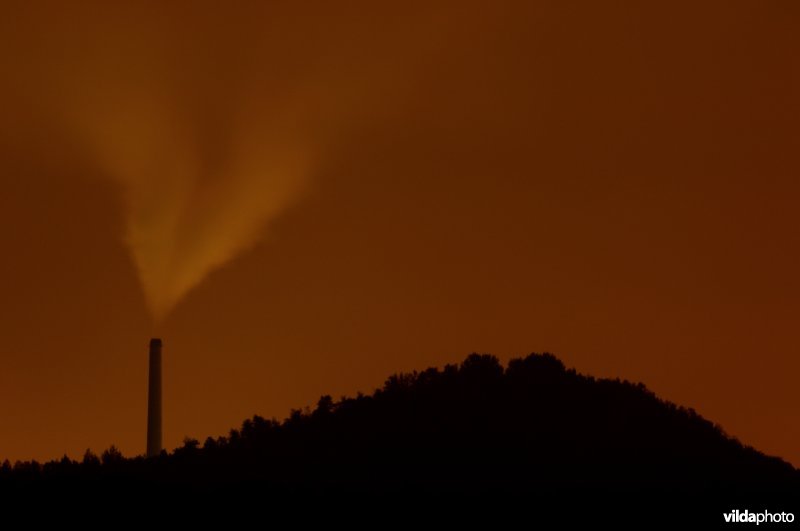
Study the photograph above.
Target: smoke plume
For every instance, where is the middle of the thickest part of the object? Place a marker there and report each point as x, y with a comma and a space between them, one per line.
194, 203
210, 121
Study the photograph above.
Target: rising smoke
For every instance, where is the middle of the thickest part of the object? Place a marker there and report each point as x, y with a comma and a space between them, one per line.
199, 122
211, 123
193, 203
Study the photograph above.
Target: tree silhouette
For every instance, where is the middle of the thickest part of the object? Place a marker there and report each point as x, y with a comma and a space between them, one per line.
534, 432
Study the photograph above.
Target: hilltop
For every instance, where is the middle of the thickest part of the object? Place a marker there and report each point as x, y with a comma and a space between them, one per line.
533, 431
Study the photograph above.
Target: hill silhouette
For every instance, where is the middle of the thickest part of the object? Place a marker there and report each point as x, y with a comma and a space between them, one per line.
533, 433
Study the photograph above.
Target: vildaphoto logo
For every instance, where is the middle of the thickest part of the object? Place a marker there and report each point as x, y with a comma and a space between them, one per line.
746, 517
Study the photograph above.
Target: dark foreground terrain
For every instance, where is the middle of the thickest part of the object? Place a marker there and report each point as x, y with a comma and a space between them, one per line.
531, 440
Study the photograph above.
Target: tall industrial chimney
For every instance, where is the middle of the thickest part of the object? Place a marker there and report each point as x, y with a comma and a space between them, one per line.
154, 400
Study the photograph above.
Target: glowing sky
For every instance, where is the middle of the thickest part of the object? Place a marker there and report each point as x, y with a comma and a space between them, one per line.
303, 199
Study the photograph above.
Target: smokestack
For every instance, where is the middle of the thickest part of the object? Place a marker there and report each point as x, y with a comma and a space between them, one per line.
154, 400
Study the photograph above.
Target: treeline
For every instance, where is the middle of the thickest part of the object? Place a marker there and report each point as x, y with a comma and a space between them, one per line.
531, 429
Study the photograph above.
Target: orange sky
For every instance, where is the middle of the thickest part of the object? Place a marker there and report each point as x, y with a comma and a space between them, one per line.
362, 190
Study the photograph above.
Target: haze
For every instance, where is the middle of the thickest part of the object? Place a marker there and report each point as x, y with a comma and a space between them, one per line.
304, 199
